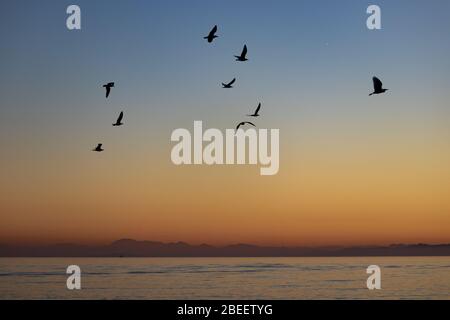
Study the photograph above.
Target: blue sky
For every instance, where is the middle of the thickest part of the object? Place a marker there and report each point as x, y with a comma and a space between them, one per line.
311, 64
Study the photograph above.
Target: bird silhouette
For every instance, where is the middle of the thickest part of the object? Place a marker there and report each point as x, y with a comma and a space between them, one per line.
119, 119
244, 123
377, 86
98, 148
108, 87
229, 85
212, 35
255, 114
242, 57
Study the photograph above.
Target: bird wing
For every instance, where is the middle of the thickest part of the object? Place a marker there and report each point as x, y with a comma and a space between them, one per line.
108, 89
232, 81
244, 51
257, 109
214, 30
377, 84
240, 124
120, 117
251, 123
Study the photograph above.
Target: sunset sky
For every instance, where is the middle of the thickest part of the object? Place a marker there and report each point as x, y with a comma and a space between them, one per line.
354, 170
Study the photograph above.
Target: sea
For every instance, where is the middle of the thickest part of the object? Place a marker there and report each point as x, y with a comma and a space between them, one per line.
419, 278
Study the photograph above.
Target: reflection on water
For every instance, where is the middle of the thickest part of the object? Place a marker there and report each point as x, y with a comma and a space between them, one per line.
225, 278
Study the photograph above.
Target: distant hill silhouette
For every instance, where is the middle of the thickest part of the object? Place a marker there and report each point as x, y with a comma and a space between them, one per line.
133, 248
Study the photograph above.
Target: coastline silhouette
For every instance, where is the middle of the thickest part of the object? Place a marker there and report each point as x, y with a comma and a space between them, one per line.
135, 248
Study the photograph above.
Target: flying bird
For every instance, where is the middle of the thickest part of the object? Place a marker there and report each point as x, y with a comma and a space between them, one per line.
212, 35
377, 86
229, 85
108, 87
242, 57
98, 148
119, 119
255, 114
244, 123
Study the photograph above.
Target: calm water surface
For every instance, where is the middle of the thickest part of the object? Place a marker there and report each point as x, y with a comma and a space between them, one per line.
225, 278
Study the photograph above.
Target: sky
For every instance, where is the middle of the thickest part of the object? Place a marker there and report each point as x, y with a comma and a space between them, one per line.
354, 170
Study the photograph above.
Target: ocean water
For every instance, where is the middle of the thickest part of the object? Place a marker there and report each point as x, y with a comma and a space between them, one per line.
226, 278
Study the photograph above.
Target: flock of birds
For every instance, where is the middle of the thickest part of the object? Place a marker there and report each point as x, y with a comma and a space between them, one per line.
118, 123
377, 88
242, 58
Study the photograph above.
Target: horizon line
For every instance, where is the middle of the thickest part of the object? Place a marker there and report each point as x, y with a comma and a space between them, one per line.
110, 242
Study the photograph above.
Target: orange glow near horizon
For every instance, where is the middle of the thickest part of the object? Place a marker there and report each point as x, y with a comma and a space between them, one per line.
379, 189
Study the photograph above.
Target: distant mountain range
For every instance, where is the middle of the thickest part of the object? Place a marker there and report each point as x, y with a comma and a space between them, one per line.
133, 248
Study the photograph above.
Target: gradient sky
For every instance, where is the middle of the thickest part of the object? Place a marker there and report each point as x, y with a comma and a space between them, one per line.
353, 169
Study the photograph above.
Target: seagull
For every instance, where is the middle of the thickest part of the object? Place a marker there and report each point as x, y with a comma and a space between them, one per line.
98, 148
228, 85
255, 114
244, 123
377, 86
119, 119
108, 87
243, 54
212, 34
